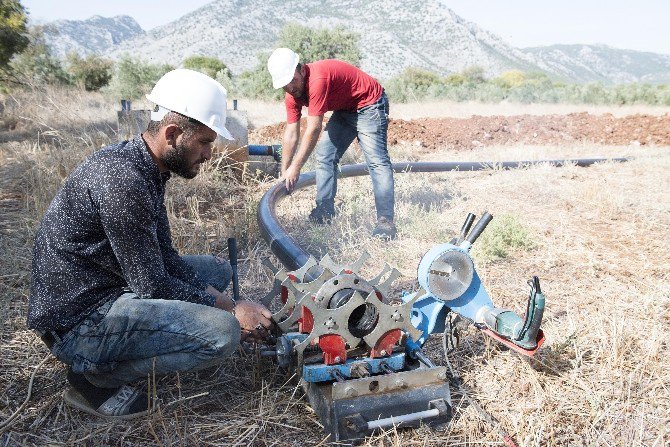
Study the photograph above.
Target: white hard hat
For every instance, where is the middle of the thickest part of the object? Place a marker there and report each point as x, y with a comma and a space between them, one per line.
281, 65
191, 94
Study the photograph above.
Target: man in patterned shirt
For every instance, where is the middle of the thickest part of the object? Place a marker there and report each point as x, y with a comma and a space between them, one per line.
110, 296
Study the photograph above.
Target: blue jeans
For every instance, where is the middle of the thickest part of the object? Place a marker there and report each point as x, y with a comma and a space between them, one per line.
370, 126
129, 338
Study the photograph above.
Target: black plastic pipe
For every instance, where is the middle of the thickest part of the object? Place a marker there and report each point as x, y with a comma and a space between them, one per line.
292, 256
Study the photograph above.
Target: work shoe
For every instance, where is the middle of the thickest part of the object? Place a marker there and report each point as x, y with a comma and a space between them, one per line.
126, 402
321, 216
385, 229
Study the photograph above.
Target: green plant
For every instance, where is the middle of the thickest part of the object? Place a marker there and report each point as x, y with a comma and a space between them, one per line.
91, 73
257, 83
133, 77
36, 65
13, 37
314, 44
503, 234
211, 66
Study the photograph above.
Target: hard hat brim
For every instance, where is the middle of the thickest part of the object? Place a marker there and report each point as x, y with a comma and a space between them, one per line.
284, 80
222, 131
161, 111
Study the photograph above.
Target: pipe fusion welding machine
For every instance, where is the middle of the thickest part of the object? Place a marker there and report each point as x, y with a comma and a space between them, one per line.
358, 351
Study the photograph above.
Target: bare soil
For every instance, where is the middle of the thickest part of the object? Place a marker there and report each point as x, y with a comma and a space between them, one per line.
430, 134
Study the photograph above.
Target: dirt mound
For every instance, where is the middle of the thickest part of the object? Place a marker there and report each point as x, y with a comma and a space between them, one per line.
477, 131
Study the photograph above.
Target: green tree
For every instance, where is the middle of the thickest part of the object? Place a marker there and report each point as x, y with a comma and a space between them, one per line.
36, 64
313, 44
134, 77
13, 30
91, 73
257, 83
211, 66
474, 75
413, 84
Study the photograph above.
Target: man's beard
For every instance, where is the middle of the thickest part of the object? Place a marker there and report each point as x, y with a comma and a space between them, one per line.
176, 161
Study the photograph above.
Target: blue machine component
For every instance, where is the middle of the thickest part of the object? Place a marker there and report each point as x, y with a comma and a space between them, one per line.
352, 368
447, 273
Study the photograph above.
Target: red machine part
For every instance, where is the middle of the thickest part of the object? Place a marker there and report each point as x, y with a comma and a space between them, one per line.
284, 294
306, 320
334, 349
517, 348
386, 343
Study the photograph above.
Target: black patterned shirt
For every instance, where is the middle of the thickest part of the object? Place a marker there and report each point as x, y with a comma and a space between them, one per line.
107, 232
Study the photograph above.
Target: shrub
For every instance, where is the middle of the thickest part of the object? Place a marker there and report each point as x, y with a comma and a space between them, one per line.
133, 77
257, 83
211, 66
13, 37
509, 79
91, 73
36, 65
313, 44
413, 84
501, 235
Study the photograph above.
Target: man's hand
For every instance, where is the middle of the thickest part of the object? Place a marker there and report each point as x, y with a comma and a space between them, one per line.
255, 320
290, 177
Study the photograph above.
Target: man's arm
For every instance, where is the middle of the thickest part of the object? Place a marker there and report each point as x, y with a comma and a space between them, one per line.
292, 172
289, 144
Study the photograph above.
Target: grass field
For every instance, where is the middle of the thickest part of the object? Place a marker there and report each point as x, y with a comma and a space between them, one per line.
598, 239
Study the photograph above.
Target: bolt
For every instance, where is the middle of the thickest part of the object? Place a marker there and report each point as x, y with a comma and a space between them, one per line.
382, 352
337, 359
400, 383
330, 323
442, 375
396, 316
350, 392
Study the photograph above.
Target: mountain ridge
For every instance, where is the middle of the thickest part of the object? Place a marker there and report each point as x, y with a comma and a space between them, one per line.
395, 35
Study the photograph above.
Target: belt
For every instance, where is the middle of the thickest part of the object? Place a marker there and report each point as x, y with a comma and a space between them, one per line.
51, 337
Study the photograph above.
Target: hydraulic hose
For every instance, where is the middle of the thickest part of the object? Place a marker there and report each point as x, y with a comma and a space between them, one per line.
292, 256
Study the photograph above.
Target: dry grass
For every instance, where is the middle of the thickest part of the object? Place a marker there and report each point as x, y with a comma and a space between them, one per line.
600, 247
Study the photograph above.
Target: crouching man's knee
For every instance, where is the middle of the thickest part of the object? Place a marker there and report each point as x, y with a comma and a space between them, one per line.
229, 338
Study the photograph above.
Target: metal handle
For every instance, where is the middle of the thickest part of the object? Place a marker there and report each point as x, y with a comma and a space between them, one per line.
232, 254
466, 226
409, 417
479, 228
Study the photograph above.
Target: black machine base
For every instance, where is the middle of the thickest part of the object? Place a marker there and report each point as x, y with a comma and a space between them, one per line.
353, 409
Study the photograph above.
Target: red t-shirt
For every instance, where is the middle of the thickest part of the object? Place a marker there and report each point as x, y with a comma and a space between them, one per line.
333, 85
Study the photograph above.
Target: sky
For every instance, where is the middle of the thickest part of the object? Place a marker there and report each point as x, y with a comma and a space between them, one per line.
627, 24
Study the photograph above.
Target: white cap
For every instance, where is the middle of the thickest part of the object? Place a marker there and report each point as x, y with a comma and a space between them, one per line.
191, 94
281, 65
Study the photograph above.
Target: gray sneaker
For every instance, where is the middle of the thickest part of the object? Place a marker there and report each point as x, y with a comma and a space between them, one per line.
385, 229
125, 402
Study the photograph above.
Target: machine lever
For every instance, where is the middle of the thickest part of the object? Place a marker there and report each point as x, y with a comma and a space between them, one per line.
466, 226
533, 319
479, 227
409, 417
232, 254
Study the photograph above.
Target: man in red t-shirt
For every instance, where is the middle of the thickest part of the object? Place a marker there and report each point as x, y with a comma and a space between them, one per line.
360, 110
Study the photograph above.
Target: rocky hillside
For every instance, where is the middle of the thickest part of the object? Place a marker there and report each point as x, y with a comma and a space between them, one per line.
394, 34
603, 63
97, 35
